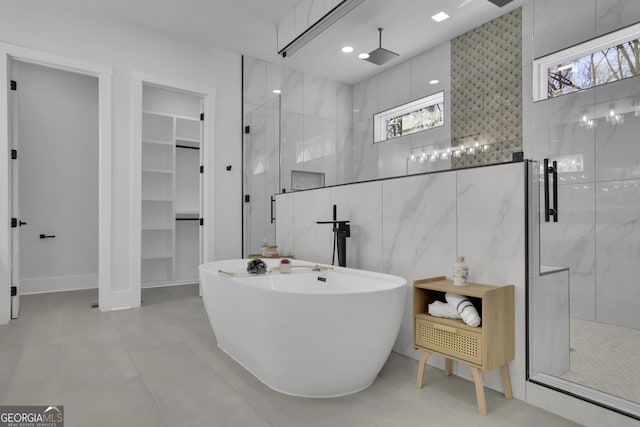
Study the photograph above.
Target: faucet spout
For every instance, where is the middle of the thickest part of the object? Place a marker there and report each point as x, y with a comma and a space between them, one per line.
341, 230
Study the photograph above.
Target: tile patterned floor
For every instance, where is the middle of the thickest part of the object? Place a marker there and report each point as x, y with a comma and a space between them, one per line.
159, 365
605, 357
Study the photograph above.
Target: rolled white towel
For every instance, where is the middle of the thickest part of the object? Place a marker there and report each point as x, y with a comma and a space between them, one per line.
442, 309
463, 306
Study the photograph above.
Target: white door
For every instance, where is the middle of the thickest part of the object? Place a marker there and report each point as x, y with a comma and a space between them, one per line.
16, 221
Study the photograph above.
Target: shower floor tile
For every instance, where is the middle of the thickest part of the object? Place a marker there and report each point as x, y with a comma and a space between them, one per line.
605, 358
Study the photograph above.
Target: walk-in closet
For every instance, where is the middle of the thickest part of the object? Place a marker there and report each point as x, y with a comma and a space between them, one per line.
171, 244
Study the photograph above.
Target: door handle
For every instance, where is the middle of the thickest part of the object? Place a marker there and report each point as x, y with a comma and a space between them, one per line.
44, 236
550, 211
21, 223
554, 210
273, 218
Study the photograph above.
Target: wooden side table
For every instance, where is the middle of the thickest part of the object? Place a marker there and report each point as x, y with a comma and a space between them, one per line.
484, 348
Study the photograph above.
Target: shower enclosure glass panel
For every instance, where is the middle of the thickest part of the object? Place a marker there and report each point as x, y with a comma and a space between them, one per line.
584, 329
261, 173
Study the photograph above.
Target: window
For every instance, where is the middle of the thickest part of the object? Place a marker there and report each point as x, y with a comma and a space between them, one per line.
421, 114
606, 59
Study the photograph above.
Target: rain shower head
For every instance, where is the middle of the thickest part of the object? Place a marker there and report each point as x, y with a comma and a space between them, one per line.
380, 55
500, 3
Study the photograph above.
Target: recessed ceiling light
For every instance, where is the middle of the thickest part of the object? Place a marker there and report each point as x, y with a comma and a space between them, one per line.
363, 56
440, 16
347, 49
277, 91
434, 81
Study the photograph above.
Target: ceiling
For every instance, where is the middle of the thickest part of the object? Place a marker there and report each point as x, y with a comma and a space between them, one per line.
249, 27
408, 31
243, 26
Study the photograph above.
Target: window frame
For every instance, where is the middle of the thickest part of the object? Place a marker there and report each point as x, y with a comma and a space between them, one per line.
542, 65
380, 119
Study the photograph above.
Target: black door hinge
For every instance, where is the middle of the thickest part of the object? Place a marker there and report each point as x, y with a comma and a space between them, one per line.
201, 221
202, 169
247, 198
14, 291
247, 129
14, 222
14, 85
201, 116
14, 154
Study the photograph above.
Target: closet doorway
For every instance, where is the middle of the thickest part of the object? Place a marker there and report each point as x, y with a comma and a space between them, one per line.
170, 127
54, 127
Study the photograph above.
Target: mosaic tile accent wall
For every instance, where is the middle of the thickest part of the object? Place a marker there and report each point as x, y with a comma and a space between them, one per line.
486, 89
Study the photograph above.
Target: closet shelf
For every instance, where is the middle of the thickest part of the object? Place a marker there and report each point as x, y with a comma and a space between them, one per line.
187, 215
188, 147
187, 139
177, 116
152, 283
193, 281
157, 256
157, 141
156, 228
165, 171
157, 199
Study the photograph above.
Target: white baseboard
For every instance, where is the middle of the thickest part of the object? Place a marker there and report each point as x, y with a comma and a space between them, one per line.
42, 285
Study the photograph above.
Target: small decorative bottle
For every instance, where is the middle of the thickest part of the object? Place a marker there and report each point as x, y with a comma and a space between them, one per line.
460, 272
285, 266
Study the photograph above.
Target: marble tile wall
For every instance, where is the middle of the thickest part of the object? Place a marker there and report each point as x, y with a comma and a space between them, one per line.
307, 127
414, 227
395, 86
316, 134
550, 323
594, 236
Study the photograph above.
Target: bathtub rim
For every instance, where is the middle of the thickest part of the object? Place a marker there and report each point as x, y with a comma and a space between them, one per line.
391, 281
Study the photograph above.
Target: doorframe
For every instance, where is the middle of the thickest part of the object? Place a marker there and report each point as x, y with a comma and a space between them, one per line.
207, 195
104, 74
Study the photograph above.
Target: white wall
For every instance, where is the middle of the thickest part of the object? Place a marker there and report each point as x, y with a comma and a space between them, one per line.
58, 178
44, 26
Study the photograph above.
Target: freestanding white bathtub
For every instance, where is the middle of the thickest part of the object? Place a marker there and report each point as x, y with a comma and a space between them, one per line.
302, 336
